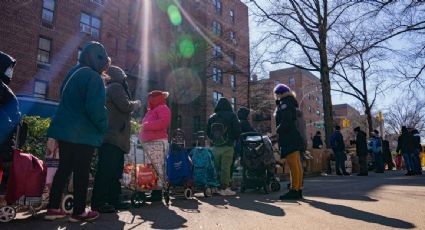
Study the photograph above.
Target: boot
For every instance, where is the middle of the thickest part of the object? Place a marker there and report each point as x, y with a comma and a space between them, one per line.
300, 194
291, 195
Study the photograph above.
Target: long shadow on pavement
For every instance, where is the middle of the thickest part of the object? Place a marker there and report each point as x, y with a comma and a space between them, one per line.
352, 213
247, 201
158, 216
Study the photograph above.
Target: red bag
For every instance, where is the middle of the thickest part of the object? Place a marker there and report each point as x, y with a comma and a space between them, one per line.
398, 162
27, 177
146, 177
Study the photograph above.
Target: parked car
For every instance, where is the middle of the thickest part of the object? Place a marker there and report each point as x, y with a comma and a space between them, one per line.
33, 106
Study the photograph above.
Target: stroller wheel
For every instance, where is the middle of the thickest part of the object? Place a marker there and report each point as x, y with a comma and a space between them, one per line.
188, 193
267, 188
275, 186
7, 214
207, 192
138, 199
67, 204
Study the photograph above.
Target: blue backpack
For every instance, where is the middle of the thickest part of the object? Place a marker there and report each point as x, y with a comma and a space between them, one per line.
179, 167
204, 173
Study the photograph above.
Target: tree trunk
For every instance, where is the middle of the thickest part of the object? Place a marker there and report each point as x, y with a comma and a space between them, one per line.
369, 117
327, 106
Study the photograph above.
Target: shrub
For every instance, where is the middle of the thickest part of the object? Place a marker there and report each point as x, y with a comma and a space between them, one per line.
36, 139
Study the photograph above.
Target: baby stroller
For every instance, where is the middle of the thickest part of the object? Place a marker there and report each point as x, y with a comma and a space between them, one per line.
258, 163
179, 167
143, 178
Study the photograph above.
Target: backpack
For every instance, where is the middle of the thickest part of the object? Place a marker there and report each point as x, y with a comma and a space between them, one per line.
219, 131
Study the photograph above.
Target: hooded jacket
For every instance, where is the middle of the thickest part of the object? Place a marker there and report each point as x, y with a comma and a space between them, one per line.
9, 107
157, 120
243, 114
361, 143
290, 139
405, 142
120, 107
81, 117
225, 111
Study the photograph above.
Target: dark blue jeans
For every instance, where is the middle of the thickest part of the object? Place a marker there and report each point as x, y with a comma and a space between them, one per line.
379, 162
416, 167
408, 161
340, 158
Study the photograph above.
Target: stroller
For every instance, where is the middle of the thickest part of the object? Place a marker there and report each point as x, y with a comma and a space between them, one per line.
179, 167
258, 163
143, 178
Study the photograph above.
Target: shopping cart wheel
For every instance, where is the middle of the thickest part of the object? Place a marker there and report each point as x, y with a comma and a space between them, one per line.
166, 196
188, 193
138, 199
275, 185
7, 213
207, 192
67, 204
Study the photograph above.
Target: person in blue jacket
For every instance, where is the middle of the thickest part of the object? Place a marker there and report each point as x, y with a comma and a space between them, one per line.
80, 122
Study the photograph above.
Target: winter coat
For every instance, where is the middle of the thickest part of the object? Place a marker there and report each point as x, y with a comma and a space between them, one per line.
225, 111
9, 108
81, 116
120, 107
243, 114
300, 124
375, 145
337, 142
290, 140
155, 124
361, 143
317, 142
417, 141
406, 143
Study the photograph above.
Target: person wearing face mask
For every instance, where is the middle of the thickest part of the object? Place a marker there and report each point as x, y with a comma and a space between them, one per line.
9, 111
116, 143
79, 125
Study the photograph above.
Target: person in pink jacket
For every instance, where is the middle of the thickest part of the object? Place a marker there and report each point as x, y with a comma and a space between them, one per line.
154, 135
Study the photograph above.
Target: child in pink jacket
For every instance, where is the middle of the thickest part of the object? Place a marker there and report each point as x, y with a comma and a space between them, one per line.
154, 133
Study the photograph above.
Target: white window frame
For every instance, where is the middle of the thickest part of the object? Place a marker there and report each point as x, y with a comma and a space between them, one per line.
90, 27
217, 75
49, 51
232, 15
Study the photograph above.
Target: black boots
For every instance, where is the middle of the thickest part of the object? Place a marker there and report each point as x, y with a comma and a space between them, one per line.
292, 195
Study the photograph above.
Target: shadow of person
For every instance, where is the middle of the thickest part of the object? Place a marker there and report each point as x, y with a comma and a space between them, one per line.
355, 214
157, 216
249, 202
186, 205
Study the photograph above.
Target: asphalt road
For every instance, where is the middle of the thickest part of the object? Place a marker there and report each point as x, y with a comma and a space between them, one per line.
379, 201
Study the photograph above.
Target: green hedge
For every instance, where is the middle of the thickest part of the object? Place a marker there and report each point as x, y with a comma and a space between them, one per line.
36, 139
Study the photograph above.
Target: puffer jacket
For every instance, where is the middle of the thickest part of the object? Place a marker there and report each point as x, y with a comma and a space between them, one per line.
156, 123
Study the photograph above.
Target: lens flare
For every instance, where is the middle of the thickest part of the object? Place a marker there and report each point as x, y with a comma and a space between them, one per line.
174, 15
186, 48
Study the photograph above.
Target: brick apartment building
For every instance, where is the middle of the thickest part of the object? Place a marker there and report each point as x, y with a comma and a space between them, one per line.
346, 112
197, 50
308, 92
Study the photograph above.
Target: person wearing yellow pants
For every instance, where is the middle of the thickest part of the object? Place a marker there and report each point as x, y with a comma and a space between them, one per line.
290, 140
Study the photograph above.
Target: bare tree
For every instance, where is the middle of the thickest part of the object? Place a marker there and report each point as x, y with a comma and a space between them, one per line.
408, 112
363, 77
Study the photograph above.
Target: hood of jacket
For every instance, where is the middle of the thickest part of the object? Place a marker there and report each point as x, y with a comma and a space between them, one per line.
243, 113
223, 105
116, 74
5, 62
94, 56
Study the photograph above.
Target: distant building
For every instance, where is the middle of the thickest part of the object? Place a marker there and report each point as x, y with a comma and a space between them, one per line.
308, 93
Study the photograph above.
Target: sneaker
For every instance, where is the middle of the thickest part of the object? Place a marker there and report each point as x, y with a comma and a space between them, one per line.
227, 192
85, 216
53, 214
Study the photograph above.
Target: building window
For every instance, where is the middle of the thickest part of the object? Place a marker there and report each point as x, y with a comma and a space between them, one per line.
292, 81
233, 81
232, 37
90, 25
216, 28
48, 12
217, 51
196, 124
232, 16
40, 89
99, 2
44, 49
233, 102
232, 58
216, 97
276, 82
217, 6
217, 75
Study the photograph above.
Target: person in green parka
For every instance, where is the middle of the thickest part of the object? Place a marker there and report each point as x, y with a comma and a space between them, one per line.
79, 125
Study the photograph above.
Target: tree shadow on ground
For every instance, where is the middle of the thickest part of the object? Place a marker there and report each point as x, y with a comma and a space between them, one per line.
186, 205
352, 213
247, 201
157, 216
